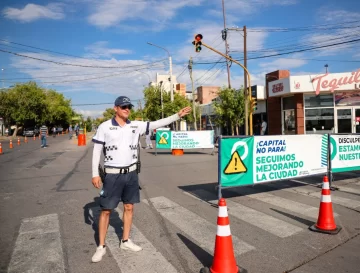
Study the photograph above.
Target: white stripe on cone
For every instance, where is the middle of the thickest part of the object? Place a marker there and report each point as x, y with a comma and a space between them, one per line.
223, 212
326, 186
325, 199
223, 231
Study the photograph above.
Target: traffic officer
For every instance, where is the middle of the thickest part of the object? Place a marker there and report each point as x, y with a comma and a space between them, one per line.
118, 138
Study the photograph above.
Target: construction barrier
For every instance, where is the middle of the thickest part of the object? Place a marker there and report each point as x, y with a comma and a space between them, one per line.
249, 160
81, 140
224, 256
177, 141
326, 221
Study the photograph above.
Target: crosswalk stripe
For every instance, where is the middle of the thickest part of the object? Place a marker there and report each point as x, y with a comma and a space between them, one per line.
256, 218
349, 190
350, 203
146, 260
193, 225
283, 203
38, 246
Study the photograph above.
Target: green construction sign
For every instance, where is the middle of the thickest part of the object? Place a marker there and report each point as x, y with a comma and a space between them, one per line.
236, 162
163, 139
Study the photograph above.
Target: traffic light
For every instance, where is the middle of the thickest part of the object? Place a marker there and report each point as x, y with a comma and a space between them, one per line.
253, 104
197, 42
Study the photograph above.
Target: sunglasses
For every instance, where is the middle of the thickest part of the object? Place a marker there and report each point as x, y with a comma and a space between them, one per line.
126, 107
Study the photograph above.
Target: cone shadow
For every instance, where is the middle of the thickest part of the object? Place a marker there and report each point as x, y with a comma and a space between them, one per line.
203, 256
296, 218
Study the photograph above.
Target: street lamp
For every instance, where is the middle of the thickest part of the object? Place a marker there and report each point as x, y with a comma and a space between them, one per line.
170, 63
145, 74
2, 77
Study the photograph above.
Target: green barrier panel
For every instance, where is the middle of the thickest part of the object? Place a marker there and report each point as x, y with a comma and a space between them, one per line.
163, 139
345, 153
259, 159
185, 139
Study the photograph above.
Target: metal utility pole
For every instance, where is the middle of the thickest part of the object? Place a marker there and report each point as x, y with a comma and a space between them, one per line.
226, 44
247, 95
234, 61
170, 70
161, 99
192, 88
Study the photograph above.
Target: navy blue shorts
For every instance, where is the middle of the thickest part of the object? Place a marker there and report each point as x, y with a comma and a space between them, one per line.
120, 188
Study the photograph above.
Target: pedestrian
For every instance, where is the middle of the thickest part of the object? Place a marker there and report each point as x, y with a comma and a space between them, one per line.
43, 132
148, 140
118, 138
54, 131
70, 132
263, 127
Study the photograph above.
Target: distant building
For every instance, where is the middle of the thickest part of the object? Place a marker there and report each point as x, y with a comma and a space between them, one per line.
205, 94
164, 81
181, 89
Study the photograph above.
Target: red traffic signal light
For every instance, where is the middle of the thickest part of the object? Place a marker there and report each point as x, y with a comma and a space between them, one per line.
197, 42
198, 37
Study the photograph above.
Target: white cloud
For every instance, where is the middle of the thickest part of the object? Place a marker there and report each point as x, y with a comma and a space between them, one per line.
33, 12
338, 16
284, 63
90, 113
99, 49
236, 8
108, 13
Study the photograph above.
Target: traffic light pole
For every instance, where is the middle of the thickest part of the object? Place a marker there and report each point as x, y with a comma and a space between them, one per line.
247, 94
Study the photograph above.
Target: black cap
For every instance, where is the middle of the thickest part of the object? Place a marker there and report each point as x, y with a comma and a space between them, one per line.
122, 101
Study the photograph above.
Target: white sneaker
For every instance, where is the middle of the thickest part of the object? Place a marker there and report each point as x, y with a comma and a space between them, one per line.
130, 246
100, 252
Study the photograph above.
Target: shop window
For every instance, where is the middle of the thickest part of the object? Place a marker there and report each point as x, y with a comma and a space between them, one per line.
289, 122
320, 120
288, 103
325, 100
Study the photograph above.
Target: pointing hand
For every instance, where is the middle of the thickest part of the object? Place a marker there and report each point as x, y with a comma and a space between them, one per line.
185, 111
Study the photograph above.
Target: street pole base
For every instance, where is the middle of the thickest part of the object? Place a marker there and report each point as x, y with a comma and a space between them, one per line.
331, 232
207, 270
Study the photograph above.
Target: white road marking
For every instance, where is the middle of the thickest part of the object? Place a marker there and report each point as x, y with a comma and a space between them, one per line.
195, 226
38, 246
259, 219
146, 260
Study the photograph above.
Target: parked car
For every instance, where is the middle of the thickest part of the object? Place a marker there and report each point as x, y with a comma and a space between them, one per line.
29, 132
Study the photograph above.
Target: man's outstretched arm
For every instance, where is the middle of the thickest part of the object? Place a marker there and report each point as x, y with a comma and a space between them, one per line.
166, 121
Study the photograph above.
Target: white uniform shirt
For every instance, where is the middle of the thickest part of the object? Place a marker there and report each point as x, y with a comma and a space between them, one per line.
263, 127
120, 143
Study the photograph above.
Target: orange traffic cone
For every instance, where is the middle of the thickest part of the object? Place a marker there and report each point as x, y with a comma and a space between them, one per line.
25, 140
224, 258
326, 221
1, 149
11, 145
18, 142
34, 137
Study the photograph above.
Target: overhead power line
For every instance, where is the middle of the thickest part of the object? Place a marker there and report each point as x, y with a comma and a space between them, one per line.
78, 65
290, 52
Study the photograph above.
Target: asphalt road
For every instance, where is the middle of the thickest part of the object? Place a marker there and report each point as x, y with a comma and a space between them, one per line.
49, 213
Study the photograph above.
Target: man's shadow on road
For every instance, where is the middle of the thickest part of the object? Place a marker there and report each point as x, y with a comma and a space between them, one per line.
92, 212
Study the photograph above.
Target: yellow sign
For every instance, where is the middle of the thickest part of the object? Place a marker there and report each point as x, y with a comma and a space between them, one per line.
235, 165
162, 140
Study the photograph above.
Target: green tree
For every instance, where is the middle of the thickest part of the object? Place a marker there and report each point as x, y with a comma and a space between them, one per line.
109, 113
27, 105
229, 107
88, 124
152, 109
59, 108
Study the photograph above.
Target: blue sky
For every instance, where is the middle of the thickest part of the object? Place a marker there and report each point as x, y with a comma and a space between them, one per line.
105, 42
